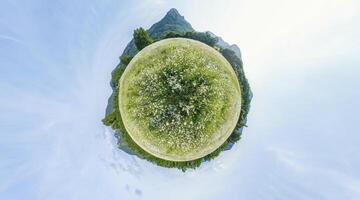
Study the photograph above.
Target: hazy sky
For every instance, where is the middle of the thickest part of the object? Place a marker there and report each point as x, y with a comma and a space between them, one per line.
301, 58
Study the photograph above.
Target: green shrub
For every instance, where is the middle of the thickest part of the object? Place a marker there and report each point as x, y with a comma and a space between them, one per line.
141, 38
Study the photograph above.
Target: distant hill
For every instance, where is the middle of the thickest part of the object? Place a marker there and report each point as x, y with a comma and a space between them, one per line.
171, 22
176, 23
221, 43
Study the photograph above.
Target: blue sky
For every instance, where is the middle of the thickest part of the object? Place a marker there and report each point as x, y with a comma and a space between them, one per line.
302, 61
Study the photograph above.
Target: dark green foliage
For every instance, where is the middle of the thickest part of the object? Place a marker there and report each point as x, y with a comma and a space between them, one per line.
203, 37
114, 118
173, 35
115, 76
141, 38
125, 59
246, 94
109, 119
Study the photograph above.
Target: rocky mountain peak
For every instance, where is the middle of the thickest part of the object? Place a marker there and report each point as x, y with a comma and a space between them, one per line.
173, 13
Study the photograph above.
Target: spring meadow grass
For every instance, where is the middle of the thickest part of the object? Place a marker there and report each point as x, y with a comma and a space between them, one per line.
179, 99
179, 102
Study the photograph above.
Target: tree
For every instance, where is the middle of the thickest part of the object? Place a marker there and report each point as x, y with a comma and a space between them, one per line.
141, 38
204, 37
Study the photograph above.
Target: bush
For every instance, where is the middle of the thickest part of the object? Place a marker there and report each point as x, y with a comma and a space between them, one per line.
141, 38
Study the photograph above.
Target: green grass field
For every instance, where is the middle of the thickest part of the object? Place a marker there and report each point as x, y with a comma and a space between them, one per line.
179, 99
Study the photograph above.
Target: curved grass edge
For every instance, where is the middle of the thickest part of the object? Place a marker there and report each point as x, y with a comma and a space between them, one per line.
124, 140
227, 126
